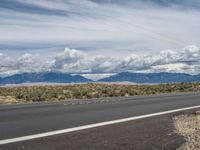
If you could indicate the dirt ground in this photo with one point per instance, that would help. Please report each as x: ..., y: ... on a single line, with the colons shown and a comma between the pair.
x: 188, y: 125
x: 7, y: 100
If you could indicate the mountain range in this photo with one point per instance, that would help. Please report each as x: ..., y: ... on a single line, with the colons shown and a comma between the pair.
x: 162, y: 77
x: 58, y: 77
x: 48, y: 77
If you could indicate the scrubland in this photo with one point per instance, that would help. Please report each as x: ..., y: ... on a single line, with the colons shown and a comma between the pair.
x: 23, y: 94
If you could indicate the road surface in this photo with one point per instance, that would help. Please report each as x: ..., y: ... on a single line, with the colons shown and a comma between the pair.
x: 28, y: 119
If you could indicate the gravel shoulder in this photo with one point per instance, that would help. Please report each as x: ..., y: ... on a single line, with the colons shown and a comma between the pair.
x: 188, y: 125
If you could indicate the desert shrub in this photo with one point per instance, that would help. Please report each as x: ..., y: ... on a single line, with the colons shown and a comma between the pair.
x: 92, y: 90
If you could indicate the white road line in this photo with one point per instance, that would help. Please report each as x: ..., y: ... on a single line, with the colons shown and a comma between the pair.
x: 51, y: 133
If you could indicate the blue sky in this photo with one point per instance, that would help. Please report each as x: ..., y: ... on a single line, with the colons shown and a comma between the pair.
x: 110, y: 31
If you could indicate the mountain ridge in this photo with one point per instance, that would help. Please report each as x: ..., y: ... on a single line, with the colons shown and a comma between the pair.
x: 51, y: 77
x: 58, y: 77
x: 162, y: 77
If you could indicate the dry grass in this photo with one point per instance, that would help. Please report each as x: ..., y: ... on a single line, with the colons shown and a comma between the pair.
x: 87, y: 91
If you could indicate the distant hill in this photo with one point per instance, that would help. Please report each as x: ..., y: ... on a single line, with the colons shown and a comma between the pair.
x: 51, y: 77
x: 58, y: 77
x: 162, y: 77
x: 196, y: 78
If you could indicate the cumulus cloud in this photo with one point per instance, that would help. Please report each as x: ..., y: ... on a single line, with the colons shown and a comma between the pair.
x: 25, y: 63
x: 186, y: 60
x: 72, y: 60
x: 69, y: 58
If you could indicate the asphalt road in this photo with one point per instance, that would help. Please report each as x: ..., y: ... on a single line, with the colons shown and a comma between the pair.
x: 28, y: 119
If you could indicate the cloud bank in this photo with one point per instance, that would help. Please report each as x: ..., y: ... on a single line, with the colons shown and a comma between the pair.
x: 75, y: 61
x: 102, y: 36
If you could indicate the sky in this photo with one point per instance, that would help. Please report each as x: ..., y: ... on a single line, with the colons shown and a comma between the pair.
x: 99, y: 36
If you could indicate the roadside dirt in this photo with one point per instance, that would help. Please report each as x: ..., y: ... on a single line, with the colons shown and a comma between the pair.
x: 7, y: 100
x: 188, y: 125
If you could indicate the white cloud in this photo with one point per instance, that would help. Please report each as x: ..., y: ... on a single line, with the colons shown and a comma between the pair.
x: 187, y: 60
x: 25, y: 63
x: 178, y: 67
x: 69, y: 58
x: 74, y: 61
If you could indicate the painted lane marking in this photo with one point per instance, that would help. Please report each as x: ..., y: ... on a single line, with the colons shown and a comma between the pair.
x: 56, y: 132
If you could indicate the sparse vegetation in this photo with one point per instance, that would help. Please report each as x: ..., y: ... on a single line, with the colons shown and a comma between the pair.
x: 87, y: 91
